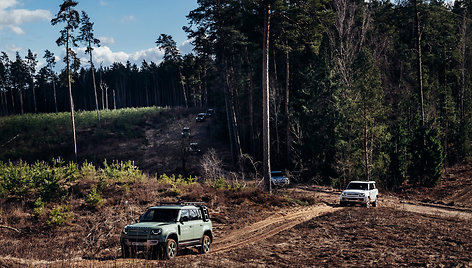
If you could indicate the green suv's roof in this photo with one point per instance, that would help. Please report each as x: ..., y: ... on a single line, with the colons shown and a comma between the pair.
x: 172, y: 206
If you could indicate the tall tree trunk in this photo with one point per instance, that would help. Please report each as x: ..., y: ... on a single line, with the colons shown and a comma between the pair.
x: 114, y: 100
x: 205, y: 87
x: 20, y: 94
x: 234, y: 97
x: 92, y: 69
x: 34, y: 100
x: 146, y: 89
x: 54, y: 93
x: 366, y: 149
x: 102, y: 89
x: 251, y: 113
x: 182, y: 85
x: 229, y: 112
x: 419, y: 61
x: 265, y: 100
x: 12, y: 100
x: 103, y: 94
x: 275, y: 86
x: 463, y: 59
x: 200, y: 89
x: 71, y: 106
x: 287, y: 102
x: 158, y: 95
x: 6, y: 102
x: 4, y: 110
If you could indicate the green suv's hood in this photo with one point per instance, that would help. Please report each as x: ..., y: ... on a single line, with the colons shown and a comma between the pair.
x: 149, y: 224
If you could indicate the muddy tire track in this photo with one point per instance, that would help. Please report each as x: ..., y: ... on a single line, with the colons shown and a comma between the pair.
x: 269, y: 227
x: 331, y: 198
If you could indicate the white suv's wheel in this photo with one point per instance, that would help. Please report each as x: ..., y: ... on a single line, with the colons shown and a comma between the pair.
x: 374, y: 204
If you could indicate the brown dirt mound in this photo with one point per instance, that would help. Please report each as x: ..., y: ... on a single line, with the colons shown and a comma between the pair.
x: 454, y: 189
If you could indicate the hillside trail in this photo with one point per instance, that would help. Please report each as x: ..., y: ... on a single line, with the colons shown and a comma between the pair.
x: 283, y: 220
x: 287, y: 219
x: 331, y: 197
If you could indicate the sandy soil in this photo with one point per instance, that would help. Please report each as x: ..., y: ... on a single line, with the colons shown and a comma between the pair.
x: 397, y: 233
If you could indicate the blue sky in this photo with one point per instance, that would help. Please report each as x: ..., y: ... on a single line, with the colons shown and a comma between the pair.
x: 127, y: 29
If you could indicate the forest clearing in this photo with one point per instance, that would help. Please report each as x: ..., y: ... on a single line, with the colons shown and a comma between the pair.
x: 320, y: 92
x: 280, y: 229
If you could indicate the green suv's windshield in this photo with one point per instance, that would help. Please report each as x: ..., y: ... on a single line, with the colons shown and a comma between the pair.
x: 160, y: 215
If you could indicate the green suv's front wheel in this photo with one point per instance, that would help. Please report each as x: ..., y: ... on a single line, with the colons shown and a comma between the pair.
x: 170, y: 250
x: 127, y: 252
x: 206, y: 242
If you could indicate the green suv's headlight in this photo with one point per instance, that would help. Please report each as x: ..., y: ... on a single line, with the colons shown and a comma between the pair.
x: 125, y: 231
x: 156, y: 231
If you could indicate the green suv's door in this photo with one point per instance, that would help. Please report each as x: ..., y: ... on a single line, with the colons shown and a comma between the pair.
x: 186, y: 230
x: 197, y: 223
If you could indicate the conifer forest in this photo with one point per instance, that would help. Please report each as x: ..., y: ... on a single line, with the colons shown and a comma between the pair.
x: 356, y: 89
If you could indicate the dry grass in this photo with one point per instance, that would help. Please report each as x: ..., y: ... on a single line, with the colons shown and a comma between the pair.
x: 93, y: 232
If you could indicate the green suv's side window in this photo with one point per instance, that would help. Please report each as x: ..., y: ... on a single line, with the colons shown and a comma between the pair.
x: 184, y: 215
x: 194, y: 214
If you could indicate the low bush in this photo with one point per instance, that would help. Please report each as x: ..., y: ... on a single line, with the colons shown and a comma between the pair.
x: 94, y: 198
x: 59, y: 216
x: 56, y: 181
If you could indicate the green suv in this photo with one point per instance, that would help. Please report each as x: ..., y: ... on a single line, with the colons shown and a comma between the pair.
x: 165, y: 229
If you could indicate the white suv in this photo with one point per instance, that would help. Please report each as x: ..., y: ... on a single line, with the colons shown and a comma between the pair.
x: 360, y: 192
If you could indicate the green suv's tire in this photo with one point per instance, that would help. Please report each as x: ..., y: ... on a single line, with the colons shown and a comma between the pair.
x: 125, y: 251
x: 206, y: 242
x: 171, y: 249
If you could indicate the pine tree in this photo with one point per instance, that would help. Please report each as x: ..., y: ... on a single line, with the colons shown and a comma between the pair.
x: 19, y: 76
x: 88, y: 38
x: 51, y: 63
x: 265, y: 98
x: 68, y: 15
x: 31, y: 62
x: 172, y: 55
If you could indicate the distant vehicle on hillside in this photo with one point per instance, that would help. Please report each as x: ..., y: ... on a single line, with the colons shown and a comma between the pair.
x: 209, y: 112
x: 200, y: 117
x: 194, y: 148
x: 186, y: 132
x: 277, y: 178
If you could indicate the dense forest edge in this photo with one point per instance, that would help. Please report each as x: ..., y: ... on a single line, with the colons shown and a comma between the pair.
x: 358, y: 90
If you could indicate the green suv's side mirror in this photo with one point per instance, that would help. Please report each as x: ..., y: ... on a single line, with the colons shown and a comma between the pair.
x: 183, y: 219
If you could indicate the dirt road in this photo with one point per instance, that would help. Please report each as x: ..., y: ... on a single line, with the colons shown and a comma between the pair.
x: 269, y: 227
x: 260, y: 232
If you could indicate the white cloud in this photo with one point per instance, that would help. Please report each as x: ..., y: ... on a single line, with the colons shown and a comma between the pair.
x: 103, y: 3
x: 126, y: 19
x: 4, y: 4
x: 106, y: 40
x: 105, y: 56
x: 16, y: 29
x: 12, y: 18
x: 11, y: 49
x: 186, y: 47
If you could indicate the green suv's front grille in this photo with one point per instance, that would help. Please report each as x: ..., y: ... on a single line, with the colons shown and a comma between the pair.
x: 139, y: 232
x: 138, y: 240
